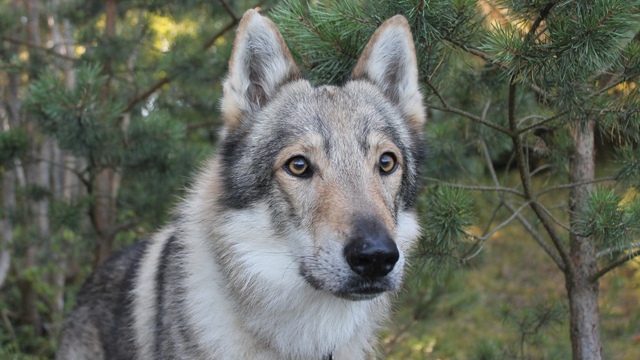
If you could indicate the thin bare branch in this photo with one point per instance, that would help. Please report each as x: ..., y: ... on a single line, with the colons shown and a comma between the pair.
x: 436, y: 92
x: 167, y: 79
x: 541, y: 122
x: 536, y: 23
x: 229, y: 10
x: 538, y: 238
x: 487, y: 157
x: 621, y: 260
x: 525, y: 177
x: 552, y: 217
x: 479, y: 53
x: 631, y: 246
x: 580, y: 183
x: 470, y: 116
x: 515, y: 213
x: 529, y: 117
x: 486, y: 57
x: 475, y: 187
x: 51, y: 51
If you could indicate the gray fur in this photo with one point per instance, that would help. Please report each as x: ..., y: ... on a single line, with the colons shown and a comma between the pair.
x: 256, y: 264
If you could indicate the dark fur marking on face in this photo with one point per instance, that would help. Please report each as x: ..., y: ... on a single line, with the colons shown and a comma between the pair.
x: 241, y: 188
x: 322, y: 129
x: 412, y: 153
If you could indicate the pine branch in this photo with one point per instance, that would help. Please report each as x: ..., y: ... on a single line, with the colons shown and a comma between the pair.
x: 633, y: 245
x: 476, y: 187
x: 542, y: 122
x: 536, y: 23
x: 230, y: 10
x: 50, y: 51
x: 202, y: 124
x: 558, y: 260
x: 167, y: 79
x: 487, y: 58
x: 514, y: 215
x: 621, y: 260
x: 580, y: 183
x: 552, y: 217
x: 517, y: 213
x: 525, y: 176
x: 472, y: 117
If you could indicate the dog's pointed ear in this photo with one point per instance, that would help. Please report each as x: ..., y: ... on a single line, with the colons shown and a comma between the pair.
x: 260, y: 63
x: 389, y: 61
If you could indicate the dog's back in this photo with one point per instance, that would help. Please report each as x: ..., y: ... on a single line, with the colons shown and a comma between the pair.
x: 103, y: 311
x: 293, y: 236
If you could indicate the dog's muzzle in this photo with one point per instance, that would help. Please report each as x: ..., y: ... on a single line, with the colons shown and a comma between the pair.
x: 371, y: 254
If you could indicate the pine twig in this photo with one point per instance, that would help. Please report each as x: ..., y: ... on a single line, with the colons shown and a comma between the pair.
x: 230, y: 10
x: 621, y: 260
x: 525, y: 177
x: 541, y: 122
x: 552, y: 217
x: 472, y: 117
x: 580, y: 183
x: 167, y: 79
x: 50, y: 51
x: 558, y: 260
x: 476, y: 187
x: 513, y: 216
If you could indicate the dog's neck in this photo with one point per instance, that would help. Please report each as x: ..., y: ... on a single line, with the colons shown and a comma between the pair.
x: 267, y: 297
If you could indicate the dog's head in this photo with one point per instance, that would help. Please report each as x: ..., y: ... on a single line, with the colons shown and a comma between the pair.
x: 335, y: 167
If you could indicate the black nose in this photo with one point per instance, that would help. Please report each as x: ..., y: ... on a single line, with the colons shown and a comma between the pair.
x: 371, y: 252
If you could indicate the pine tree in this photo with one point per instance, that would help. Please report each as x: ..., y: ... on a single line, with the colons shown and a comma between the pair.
x: 526, y: 85
x: 105, y: 108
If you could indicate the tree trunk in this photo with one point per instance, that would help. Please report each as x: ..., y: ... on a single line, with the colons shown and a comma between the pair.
x: 107, y: 181
x: 581, y: 289
x: 37, y: 173
x: 6, y: 227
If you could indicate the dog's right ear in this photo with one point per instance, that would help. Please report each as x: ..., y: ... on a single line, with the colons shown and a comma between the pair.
x: 389, y: 61
x: 260, y: 63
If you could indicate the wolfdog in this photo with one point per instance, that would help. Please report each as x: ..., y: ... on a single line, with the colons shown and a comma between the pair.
x: 294, y: 236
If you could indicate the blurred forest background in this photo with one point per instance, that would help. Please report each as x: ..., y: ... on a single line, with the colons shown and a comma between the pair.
x: 530, y: 205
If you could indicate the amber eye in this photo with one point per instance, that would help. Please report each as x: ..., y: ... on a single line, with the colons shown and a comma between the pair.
x: 298, y: 166
x: 387, y: 163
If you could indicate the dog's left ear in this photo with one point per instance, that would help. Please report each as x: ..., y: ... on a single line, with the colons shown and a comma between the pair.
x: 260, y: 63
x: 389, y: 61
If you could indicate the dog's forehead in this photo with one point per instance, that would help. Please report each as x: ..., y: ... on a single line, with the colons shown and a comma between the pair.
x: 350, y: 111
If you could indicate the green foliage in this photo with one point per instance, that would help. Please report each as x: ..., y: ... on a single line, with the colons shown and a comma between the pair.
x: 580, y: 64
x: 536, y: 72
x: 445, y: 214
x: 141, y: 105
x: 67, y: 215
x: 326, y: 38
x: 80, y: 119
x: 580, y: 40
x: 613, y: 221
x: 629, y: 159
x: 153, y: 144
x: 531, y: 322
x: 14, y: 143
